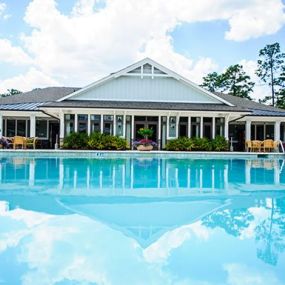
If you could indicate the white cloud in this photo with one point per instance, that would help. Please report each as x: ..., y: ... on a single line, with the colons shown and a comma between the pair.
x: 12, y: 54
x: 28, y: 81
x: 89, y: 43
x: 260, y: 18
x: 240, y: 274
x: 260, y: 89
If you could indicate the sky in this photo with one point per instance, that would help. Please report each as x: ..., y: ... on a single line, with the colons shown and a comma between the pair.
x: 75, y: 42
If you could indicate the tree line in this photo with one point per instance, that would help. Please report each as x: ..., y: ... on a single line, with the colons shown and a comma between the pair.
x: 235, y: 81
x: 10, y: 92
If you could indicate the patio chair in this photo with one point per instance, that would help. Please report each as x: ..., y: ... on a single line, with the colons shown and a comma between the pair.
x: 248, y: 146
x: 268, y: 145
x: 256, y: 145
x: 19, y: 141
x: 31, y: 142
x: 276, y: 145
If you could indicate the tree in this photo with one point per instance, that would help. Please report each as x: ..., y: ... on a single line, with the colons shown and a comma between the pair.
x: 10, y: 92
x: 233, y: 81
x: 212, y: 82
x: 236, y: 82
x: 270, y: 64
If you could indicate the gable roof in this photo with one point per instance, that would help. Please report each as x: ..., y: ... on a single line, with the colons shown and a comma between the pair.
x: 38, y: 95
x: 165, y: 72
x: 256, y: 109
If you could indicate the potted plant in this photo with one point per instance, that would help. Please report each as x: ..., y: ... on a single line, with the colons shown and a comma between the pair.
x: 145, y: 143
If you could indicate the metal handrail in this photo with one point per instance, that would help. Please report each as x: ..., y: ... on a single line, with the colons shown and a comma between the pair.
x: 281, y: 144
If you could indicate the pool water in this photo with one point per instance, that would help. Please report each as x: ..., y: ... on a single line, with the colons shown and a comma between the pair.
x: 142, y: 220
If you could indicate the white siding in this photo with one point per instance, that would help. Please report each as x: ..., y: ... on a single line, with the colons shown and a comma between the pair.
x: 158, y: 89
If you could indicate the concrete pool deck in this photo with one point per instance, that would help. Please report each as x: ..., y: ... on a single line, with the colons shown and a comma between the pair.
x: 134, y: 153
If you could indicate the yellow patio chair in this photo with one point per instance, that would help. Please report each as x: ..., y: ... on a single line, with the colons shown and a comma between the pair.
x: 31, y: 142
x: 256, y: 145
x: 19, y: 141
x: 268, y: 145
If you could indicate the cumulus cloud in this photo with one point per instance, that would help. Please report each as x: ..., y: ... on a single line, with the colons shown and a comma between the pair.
x: 28, y: 81
x: 12, y: 54
x: 89, y: 43
x: 3, y: 8
x: 261, y: 90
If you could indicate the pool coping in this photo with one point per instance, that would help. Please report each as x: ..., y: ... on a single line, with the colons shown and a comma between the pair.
x: 135, y: 153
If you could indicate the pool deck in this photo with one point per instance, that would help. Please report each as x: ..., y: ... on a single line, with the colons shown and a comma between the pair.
x: 134, y: 153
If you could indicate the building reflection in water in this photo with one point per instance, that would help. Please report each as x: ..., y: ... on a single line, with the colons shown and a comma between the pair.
x: 75, y: 184
x: 124, y: 176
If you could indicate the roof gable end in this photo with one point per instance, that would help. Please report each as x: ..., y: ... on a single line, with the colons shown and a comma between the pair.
x: 149, y: 69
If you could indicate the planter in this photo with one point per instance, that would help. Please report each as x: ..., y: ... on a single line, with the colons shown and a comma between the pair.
x: 142, y: 147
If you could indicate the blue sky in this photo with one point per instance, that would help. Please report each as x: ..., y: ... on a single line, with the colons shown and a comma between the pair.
x: 74, y: 42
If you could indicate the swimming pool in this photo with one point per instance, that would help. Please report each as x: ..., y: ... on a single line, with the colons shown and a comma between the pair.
x: 141, y: 220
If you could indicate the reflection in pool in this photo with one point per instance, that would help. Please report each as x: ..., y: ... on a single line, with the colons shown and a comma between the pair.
x: 142, y: 221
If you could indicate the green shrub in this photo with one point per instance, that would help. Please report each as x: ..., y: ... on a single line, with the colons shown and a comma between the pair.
x: 106, y: 142
x: 219, y: 144
x: 197, y: 144
x: 202, y: 144
x: 75, y: 141
x: 96, y: 141
x: 180, y: 144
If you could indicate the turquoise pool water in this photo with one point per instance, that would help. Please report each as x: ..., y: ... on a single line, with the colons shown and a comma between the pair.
x: 141, y: 220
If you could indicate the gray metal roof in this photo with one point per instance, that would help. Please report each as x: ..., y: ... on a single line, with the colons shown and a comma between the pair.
x: 257, y: 109
x: 144, y: 105
x: 21, y: 106
x: 47, y: 97
x: 39, y: 95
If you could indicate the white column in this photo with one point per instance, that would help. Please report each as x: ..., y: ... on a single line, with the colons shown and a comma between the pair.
x: 75, y: 123
x: 201, y: 127
x: 61, y: 127
x: 89, y: 124
x: 132, y: 131
x: 102, y: 123
x: 227, y: 128
x: 248, y: 130
x: 189, y: 127
x: 167, y: 128
x: 32, y: 125
x: 159, y: 132
x: 277, y: 131
x: 1, y: 125
x: 124, y: 126
x: 213, y: 127
x: 177, y: 126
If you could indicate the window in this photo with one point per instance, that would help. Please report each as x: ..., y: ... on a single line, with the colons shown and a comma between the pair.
x: 108, y: 124
x: 119, y: 125
x: 172, y: 127
x: 262, y: 131
x: 207, y: 127
x: 195, y: 127
x: 183, y: 127
x: 11, y: 128
x: 16, y: 127
x: 128, y: 128
x: 95, y: 121
x: 68, y: 124
x: 220, y: 126
x: 82, y: 124
x: 42, y: 128
x: 21, y: 128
